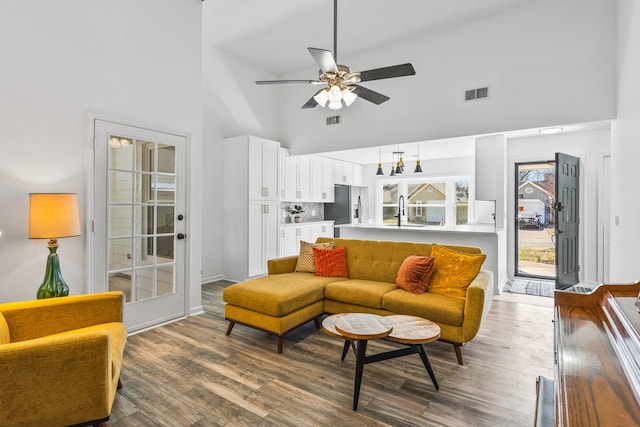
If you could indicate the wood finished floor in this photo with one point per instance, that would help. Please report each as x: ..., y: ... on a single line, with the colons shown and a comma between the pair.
x: 189, y: 373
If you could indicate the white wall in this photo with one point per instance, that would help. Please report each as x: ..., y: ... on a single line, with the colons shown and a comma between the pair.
x: 551, y: 62
x: 625, y: 149
x: 590, y: 147
x: 232, y: 105
x: 59, y: 59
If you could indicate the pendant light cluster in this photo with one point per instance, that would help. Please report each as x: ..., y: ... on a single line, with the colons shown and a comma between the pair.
x: 397, y: 167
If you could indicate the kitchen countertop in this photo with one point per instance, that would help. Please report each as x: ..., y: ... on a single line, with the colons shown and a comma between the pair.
x: 465, y: 228
x: 292, y: 224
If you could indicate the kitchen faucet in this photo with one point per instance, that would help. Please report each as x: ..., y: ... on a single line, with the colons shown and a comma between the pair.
x: 400, y: 208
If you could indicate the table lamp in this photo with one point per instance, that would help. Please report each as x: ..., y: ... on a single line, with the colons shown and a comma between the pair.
x: 51, y: 216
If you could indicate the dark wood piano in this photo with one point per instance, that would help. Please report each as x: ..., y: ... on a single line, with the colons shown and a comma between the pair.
x: 597, y: 350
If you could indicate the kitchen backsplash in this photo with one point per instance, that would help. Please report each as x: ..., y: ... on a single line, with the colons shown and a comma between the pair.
x: 312, y: 212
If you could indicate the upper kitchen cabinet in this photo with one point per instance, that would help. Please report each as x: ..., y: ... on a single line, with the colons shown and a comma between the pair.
x: 322, y: 176
x: 297, y: 179
x: 347, y: 173
x: 258, y: 159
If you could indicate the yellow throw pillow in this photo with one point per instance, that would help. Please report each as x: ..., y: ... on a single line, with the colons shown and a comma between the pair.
x: 4, y: 331
x: 453, y: 271
x: 306, y: 261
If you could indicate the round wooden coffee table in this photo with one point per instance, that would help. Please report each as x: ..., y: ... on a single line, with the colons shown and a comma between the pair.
x: 361, y: 327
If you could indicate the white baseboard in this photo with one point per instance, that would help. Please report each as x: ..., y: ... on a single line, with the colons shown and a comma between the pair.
x: 211, y: 279
x: 195, y: 311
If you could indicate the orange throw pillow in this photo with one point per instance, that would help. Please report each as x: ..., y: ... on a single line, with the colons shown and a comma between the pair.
x: 330, y: 262
x: 414, y: 273
x: 453, y: 271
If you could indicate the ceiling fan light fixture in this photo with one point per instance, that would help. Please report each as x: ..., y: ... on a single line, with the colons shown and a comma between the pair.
x: 334, y: 94
x: 322, y: 98
x: 335, y: 105
x: 348, y: 96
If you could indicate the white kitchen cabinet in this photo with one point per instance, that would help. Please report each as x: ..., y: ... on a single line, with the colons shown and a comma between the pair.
x: 343, y: 172
x: 283, y: 154
x: 321, y: 229
x: 326, y: 185
x: 304, y: 178
x: 263, y: 227
x: 347, y: 173
x: 290, y: 237
x: 316, y: 179
x: 258, y: 160
x: 321, y: 179
x: 290, y: 181
x: 297, y: 179
x: 250, y: 207
x: 358, y: 179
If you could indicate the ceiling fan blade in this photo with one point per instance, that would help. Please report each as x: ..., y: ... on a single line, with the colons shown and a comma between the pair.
x: 311, y: 103
x: 370, y: 95
x: 387, y: 72
x: 324, y: 59
x: 276, y: 82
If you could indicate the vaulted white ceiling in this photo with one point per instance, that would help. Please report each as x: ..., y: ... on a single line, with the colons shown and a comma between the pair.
x: 275, y: 34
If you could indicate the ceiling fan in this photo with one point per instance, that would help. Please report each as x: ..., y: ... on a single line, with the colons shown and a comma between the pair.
x: 340, y: 84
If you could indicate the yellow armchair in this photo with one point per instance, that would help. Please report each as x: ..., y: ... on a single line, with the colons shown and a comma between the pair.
x: 60, y: 359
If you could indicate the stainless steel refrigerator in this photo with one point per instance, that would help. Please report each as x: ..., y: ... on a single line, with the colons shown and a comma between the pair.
x: 340, y: 210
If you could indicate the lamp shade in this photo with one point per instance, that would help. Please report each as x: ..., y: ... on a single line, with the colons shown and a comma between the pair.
x: 53, y: 215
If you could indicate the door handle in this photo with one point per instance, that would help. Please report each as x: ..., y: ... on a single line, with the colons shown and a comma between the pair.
x: 181, y: 236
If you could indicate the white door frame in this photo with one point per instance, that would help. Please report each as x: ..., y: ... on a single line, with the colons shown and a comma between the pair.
x: 89, y: 131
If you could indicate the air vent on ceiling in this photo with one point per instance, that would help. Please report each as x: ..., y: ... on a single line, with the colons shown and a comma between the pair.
x: 333, y: 120
x: 479, y: 93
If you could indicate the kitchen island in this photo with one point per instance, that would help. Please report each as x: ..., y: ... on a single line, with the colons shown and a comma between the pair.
x: 491, y: 240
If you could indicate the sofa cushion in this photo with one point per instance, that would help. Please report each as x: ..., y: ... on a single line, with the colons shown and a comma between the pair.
x: 415, y: 273
x: 4, y: 331
x: 306, y: 260
x: 279, y: 294
x: 330, y: 262
x: 453, y: 271
x: 435, y: 307
x: 367, y: 293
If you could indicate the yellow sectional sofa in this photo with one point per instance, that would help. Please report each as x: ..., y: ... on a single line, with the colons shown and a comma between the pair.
x: 286, y: 299
x: 61, y: 359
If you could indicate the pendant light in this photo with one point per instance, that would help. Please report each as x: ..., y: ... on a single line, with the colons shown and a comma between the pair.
x: 379, y: 172
x: 393, y: 160
x: 400, y: 164
x: 418, y: 168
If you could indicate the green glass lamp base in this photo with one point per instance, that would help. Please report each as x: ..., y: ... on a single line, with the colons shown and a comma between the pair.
x: 53, y: 284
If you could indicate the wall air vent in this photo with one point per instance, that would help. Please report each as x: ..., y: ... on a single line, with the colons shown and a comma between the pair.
x: 333, y: 120
x: 475, y: 94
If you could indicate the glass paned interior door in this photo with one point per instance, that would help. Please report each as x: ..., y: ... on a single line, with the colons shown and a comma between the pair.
x: 141, y: 210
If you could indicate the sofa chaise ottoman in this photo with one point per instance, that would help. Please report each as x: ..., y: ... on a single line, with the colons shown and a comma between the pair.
x: 286, y: 299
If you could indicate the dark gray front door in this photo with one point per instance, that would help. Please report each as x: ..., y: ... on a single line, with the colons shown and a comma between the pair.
x: 567, y: 220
